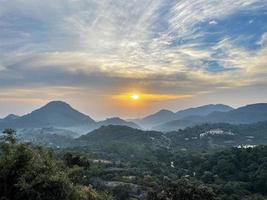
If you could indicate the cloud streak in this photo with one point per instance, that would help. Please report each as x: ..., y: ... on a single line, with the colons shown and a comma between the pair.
x: 162, y: 47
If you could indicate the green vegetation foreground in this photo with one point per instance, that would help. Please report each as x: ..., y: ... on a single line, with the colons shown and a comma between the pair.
x: 28, y: 172
x: 32, y: 173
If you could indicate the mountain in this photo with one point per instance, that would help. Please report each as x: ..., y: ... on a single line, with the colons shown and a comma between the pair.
x: 114, y: 133
x: 243, y: 115
x: 60, y: 115
x: 117, y: 121
x: 246, y: 114
x: 122, y: 140
x: 165, y: 116
x: 202, y: 110
x: 180, y: 123
x: 156, y: 118
x: 11, y: 117
x: 53, y: 114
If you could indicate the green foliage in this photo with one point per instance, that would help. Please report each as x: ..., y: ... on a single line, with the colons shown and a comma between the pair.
x: 254, y: 134
x: 182, y: 189
x: 234, y: 172
x: 72, y: 160
x: 10, y: 135
x: 132, y: 168
x: 121, y: 192
x: 31, y: 173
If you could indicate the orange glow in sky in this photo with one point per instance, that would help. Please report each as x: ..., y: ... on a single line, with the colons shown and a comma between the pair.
x: 135, y: 97
x: 126, y: 97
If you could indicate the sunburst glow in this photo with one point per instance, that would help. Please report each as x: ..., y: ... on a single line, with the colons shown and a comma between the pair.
x: 135, y: 97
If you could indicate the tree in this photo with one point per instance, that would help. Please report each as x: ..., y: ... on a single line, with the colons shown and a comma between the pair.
x: 10, y: 135
x: 121, y: 192
x: 29, y: 172
x: 182, y: 190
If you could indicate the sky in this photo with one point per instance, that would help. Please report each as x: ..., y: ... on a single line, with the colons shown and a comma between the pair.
x: 96, y: 54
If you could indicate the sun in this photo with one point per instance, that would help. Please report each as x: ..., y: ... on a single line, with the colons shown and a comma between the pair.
x: 135, y: 97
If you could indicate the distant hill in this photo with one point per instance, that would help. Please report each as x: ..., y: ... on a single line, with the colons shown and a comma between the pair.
x: 59, y: 115
x: 123, y: 140
x: 202, y: 110
x: 243, y: 115
x: 156, y: 118
x: 180, y: 123
x: 54, y: 114
x: 113, y: 133
x: 246, y: 114
x: 117, y: 121
x: 11, y: 117
x: 219, y: 135
x: 164, y: 116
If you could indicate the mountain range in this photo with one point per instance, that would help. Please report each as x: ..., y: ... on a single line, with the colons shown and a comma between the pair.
x: 243, y: 115
x: 164, y: 116
x: 61, y: 116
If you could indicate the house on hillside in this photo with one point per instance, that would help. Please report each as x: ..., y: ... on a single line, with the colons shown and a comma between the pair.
x: 214, y: 132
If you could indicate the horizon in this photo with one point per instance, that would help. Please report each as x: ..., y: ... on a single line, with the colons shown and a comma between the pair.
x: 115, y: 116
x: 130, y: 59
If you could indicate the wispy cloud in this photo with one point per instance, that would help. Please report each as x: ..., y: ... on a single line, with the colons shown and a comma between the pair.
x: 163, y: 47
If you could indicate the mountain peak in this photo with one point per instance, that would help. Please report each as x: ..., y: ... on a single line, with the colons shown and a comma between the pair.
x: 11, y: 117
x: 164, y: 111
x: 53, y: 114
x: 57, y: 104
x: 206, y: 109
x: 114, y: 118
x: 117, y: 121
x: 256, y: 106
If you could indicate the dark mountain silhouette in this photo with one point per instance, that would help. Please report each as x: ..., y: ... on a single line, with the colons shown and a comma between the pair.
x: 164, y: 116
x: 11, y: 117
x: 117, y: 121
x: 246, y: 114
x: 203, y: 110
x: 243, y: 115
x: 123, y: 137
x: 156, y: 118
x: 54, y: 114
x: 60, y: 115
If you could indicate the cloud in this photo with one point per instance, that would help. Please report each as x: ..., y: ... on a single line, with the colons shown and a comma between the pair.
x: 187, y: 14
x: 163, y: 47
x: 213, y: 22
x: 263, y: 40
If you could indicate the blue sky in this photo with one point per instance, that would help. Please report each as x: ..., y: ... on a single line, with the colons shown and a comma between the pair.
x: 88, y: 52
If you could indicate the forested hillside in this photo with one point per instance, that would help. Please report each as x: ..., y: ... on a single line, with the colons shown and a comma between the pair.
x: 121, y: 163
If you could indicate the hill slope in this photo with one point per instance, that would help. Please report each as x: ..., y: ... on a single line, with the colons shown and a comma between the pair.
x: 164, y: 116
x: 123, y: 141
x: 117, y: 121
x: 54, y: 114
x: 219, y: 135
x: 243, y: 115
